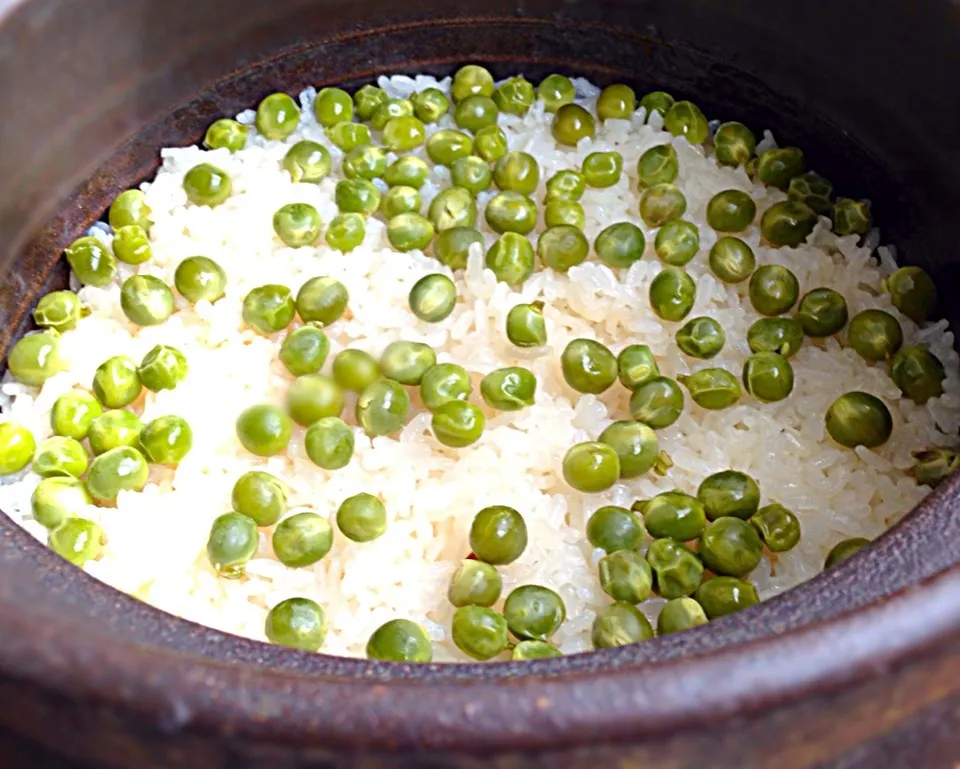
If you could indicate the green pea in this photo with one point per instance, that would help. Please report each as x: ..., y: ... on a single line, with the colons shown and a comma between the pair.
x: 490, y: 143
x: 636, y: 445
x: 362, y: 518
x: 475, y: 583
x: 163, y: 368
x: 322, y: 300
x: 780, y: 335
x: 475, y: 113
x: 616, y: 101
x: 407, y: 171
x: 78, y: 540
x: 166, y: 440
x: 120, y: 469
x: 555, y: 91
x: 731, y: 211
x: 364, y: 162
x: 812, y: 190
x: 701, y: 338
x: 822, y: 312
x: 113, y: 429
x: 680, y: 614
x: 662, y: 203
x: 430, y: 104
x: 146, y: 300
x: 619, y: 624
x: 509, y: 389
x: 91, y: 262
x: 614, y: 528
x: 561, y: 248
x: 35, y: 358
x: 231, y: 544
x: 875, y: 335
x: 58, y: 310
x: 129, y: 207
x: 918, y: 373
x: 773, y: 289
x: 329, y: 443
x: 636, y: 365
x: 844, y: 550
x: 768, y: 377
x: 479, y: 632
x: 409, y: 232
x: 367, y: 99
x: 471, y: 173
x: 734, y: 144
x: 457, y: 423
x: 657, y: 101
x: 452, y: 247
x: 514, y: 96
x: 511, y: 211
x: 453, y: 207
x: 534, y: 612
x: 787, y: 223
x: 732, y: 260
x: 657, y: 402
x: 712, y: 388
x: 357, y: 196
x: 116, y: 382
x: 859, y: 419
x: 56, y: 499
x: 332, y: 105
x: 517, y: 171
x: 264, y: 430
x: 400, y: 200
x: 400, y: 640
x: 73, y: 413
x: 304, y: 350
x: 444, y: 382
x: 390, y: 110
x: 626, y: 576
x: 277, y: 116
x: 622, y: 244
x: 346, y: 232
x: 911, y: 290
x: 60, y: 456
x: 677, y: 242
x: 672, y: 294
x: 403, y: 133
x: 721, y: 596
x: 226, y: 134
x: 433, y: 298
x: 355, y: 370
x: 658, y: 165
x: 602, y: 169
x: 572, y: 124
x: 933, y: 466
x: 588, y: 366
x: 557, y: 213
x: 269, y: 308
x: 534, y: 650
x: 259, y: 496
x: 131, y: 245
x: 407, y: 362
x: 674, y: 515
x: 302, y: 540
x: 729, y: 493
x: 307, y: 161
x: 382, y: 407
x: 591, y: 466
x: 776, y: 167
x: 778, y: 527
x: 498, y: 535
x: 471, y: 80
x: 566, y: 185
x: 313, y: 397
x: 731, y: 547
x: 511, y: 258
x: 207, y: 185
x: 297, y: 623
x: 199, y: 279
x: 17, y: 447
x: 677, y: 570
x: 684, y: 118
x: 447, y: 145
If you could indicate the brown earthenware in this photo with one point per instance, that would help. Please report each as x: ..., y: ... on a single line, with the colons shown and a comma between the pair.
x: 859, y: 667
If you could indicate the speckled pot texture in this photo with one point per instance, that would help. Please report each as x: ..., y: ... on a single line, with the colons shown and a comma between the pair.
x: 860, y: 667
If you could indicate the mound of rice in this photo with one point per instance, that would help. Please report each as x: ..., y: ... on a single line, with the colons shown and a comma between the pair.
x: 156, y: 547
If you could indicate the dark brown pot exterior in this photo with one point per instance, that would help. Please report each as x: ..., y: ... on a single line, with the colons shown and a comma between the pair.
x: 858, y: 668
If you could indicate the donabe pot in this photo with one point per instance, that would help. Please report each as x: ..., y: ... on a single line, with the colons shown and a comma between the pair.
x: 860, y: 667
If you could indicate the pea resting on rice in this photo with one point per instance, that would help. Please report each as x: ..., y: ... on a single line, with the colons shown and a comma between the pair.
x: 309, y: 392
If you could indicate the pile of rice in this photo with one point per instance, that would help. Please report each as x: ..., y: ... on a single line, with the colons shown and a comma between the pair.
x: 157, y: 538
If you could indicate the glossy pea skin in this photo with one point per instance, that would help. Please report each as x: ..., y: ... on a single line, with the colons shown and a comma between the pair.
x: 17, y: 447
x: 297, y: 623
x: 783, y: 336
x: 447, y: 145
x: 616, y: 101
x: 730, y: 547
x: 787, y: 223
x: 776, y: 167
x: 269, y: 308
x: 677, y: 242
x: 471, y: 173
x: 588, y: 366
x: 662, y: 203
x: 357, y: 196
x: 498, y: 535
x: 471, y: 80
x: 91, y: 262
x: 518, y: 171
x: 732, y: 260
x: 657, y: 402
x: 474, y: 583
x: 657, y: 101
x: 573, y: 123
x: 859, y: 419
x: 490, y: 143
x: 509, y: 389
x: 382, y: 407
x: 307, y: 161
x: 453, y: 207
x: 514, y: 96
x: 475, y: 113
x: 73, y: 413
x: 566, y: 185
x: 684, y: 118
x: 636, y: 445
x: 114, y: 428
x: 620, y: 245
x: 355, y: 370
x: 332, y: 105
x: 60, y: 456
x: 146, y: 300
x: 116, y: 382
x: 712, y: 388
x: 511, y: 211
x: 302, y: 539
x: 813, y: 190
x: 207, y: 185
x: 730, y: 494
x: 433, y: 297
x: 636, y: 364
x: 407, y: 171
x: 131, y: 245
x: 364, y: 162
x: 561, y: 248
x: 613, y: 528
x: 851, y: 217
x: 403, y: 133
x: 822, y: 312
x: 390, y: 110
x: 701, y: 338
x: 322, y: 300
x: 457, y: 423
x: 226, y: 133
x: 313, y: 397
x: 264, y: 430
x: 362, y: 518
x: 129, y: 207
x: 162, y: 368
x: 555, y: 91
x: 400, y: 200
x: 120, y: 469
x: 444, y: 382
x: 734, y: 144
x: 721, y: 596
x: 56, y: 499
x: 304, y: 350
x: 329, y: 443
x: 407, y: 362
x: 680, y: 614
x: 479, y: 632
x: 259, y: 496
x: 913, y: 292
x: 430, y: 104
x: 933, y: 466
x: 602, y: 169
x: 677, y: 570
x: 452, y: 247
x: 400, y: 640
x: 625, y: 576
x: 346, y: 232
x: 511, y: 258
x: 534, y: 612
x: 166, y: 440
x: 58, y: 310
x: 78, y: 540
x: 277, y: 116
x: 918, y: 373
x: 534, y: 650
x: 875, y: 335
x: 619, y: 624
x: 564, y: 212
x: 658, y: 165
x: 591, y: 467
x: 731, y: 211
x: 672, y: 294
x: 844, y: 550
x: 525, y: 325
x: 768, y: 377
x: 199, y: 279
x: 674, y: 515
x: 778, y: 527
x: 35, y: 358
x: 366, y: 100
x: 773, y: 290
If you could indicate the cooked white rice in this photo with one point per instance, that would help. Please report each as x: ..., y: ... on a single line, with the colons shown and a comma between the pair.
x: 156, y: 547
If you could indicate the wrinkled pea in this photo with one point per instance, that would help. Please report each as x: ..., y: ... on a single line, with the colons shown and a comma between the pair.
x: 734, y: 144
x: 912, y: 291
x: 851, y: 217
x: 91, y: 262
x: 701, y: 338
x: 514, y: 96
x: 452, y: 247
x: 813, y: 190
x: 364, y: 162
x: 357, y: 196
x: 677, y: 242
x: 269, y: 308
x: 453, y: 207
x: 444, y: 382
x: 509, y: 389
x: 114, y: 428
x: 116, y: 382
x: 60, y: 456
x: 225, y: 133
x: 490, y: 143
x: 602, y: 169
x: 636, y: 364
x: 783, y: 336
x: 407, y: 171
x: 778, y: 527
x: 564, y: 212
x: 619, y: 624
x: 684, y: 118
x: 712, y: 388
x: 677, y: 570
x: 776, y: 167
x: 662, y: 203
x: 822, y: 312
x: 120, y: 469
x: 658, y: 165
x: 400, y: 200
x: 768, y: 377
x: 346, y: 232
x: 307, y: 161
x: 732, y: 260
x: 131, y: 244
x: 918, y: 373
x: 511, y: 211
x: 657, y: 402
